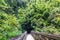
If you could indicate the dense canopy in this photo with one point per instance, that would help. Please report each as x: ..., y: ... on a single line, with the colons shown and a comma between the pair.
x: 15, y: 14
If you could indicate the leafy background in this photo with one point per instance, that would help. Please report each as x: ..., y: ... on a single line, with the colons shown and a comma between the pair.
x: 15, y: 14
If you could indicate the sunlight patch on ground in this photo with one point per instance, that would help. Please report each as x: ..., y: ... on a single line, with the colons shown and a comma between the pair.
x: 29, y: 37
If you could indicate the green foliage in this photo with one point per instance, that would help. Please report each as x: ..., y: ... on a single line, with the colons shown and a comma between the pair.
x: 14, y: 14
x: 8, y: 26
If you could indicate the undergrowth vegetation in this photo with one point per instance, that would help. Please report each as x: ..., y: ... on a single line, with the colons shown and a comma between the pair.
x: 14, y: 14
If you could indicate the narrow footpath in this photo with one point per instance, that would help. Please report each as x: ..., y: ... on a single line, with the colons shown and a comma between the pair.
x: 29, y: 37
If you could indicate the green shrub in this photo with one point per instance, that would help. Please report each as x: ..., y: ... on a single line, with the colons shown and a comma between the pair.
x: 44, y: 16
